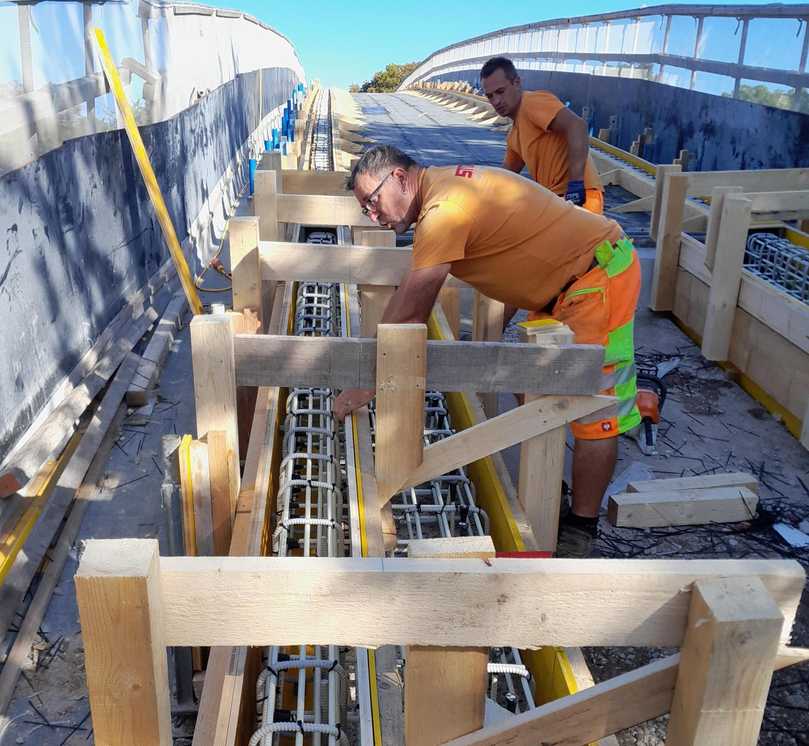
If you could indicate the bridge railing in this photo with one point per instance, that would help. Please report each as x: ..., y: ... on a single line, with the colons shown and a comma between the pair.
x: 751, y: 52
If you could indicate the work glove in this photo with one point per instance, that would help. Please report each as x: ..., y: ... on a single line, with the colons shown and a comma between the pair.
x: 575, y: 192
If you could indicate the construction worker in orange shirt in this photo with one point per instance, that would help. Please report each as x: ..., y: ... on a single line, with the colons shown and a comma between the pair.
x: 518, y: 243
x: 547, y: 137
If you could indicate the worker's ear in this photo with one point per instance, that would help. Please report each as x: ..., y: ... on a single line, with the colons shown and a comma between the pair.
x: 517, y: 81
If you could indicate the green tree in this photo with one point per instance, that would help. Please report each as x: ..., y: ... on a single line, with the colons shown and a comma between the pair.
x: 761, y: 94
x: 389, y: 79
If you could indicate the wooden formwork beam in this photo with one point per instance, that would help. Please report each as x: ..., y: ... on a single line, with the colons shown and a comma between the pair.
x: 270, y: 360
x: 487, y: 326
x: 445, y: 688
x: 667, y: 254
x: 374, y: 297
x: 542, y: 464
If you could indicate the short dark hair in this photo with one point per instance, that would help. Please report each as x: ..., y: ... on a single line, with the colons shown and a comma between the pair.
x: 499, y: 63
x: 376, y: 159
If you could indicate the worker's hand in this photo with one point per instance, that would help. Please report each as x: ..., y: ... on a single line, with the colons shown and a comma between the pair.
x: 352, y: 399
x: 575, y: 192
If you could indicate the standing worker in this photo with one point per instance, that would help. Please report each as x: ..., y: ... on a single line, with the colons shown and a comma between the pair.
x: 547, y: 137
x: 518, y: 243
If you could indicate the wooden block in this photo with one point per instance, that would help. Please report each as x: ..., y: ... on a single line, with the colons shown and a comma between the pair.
x: 224, y: 495
x: 120, y: 608
x: 714, y: 220
x: 215, y: 380
x: 445, y: 689
x: 542, y: 463
x: 682, y: 508
x: 400, y: 386
x: 487, y: 326
x: 668, y: 241
x: 661, y: 173
x: 268, y: 187
x: 374, y: 299
x: 726, y: 664
x: 271, y: 360
x: 244, y: 264
x: 449, y: 298
x: 709, y: 481
x: 726, y: 277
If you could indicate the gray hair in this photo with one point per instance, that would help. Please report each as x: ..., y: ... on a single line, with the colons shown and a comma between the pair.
x: 379, y: 158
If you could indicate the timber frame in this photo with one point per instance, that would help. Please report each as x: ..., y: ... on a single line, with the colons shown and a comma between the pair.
x: 133, y: 603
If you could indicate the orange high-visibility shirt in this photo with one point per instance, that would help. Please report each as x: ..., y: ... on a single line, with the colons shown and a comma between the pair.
x: 543, y: 152
x: 511, y: 238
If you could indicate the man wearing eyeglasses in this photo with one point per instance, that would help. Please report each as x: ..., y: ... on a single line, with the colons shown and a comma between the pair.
x: 518, y: 243
x: 547, y: 137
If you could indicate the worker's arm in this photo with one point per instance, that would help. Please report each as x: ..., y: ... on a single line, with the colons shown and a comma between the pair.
x: 512, y: 161
x: 411, y: 304
x: 574, y: 129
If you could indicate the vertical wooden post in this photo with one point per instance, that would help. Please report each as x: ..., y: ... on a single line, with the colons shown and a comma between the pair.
x: 726, y: 277
x: 445, y: 688
x: 661, y: 173
x: 667, y: 254
x: 726, y: 664
x: 374, y: 299
x: 245, y: 266
x: 487, y: 326
x: 542, y: 463
x: 268, y: 186
x: 714, y: 220
x: 201, y: 493
x: 118, y: 593
x: 401, y: 367
x: 223, y: 493
x: 214, y: 366
x: 449, y: 297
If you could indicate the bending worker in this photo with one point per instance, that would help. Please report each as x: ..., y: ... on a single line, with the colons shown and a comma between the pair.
x: 518, y: 243
x: 547, y: 137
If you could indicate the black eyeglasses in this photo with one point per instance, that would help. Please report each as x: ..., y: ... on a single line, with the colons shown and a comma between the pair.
x: 369, y: 205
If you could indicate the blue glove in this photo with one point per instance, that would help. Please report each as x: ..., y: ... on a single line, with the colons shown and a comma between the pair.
x: 575, y: 192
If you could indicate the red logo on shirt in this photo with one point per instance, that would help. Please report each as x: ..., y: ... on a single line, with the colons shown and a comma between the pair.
x: 467, y: 171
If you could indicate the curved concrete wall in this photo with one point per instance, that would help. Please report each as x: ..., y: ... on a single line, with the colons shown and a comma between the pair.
x: 79, y: 233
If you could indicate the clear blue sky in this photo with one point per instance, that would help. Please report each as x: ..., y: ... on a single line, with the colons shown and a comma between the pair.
x: 346, y: 42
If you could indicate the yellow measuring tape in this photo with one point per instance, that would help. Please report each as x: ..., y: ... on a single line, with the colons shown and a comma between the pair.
x: 147, y: 172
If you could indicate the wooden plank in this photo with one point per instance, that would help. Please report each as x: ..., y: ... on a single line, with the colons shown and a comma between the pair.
x: 542, y: 465
x: 317, y: 209
x: 682, y: 508
x: 29, y: 558
x: 201, y: 495
x: 314, y: 182
x: 726, y: 664
x: 445, y: 689
x: 29, y: 628
x: 714, y: 221
x: 269, y: 360
x: 371, y: 602
x: 726, y: 277
x: 224, y: 495
x: 374, y: 264
x: 702, y: 183
x: 642, y: 204
x: 450, y: 301
x: 668, y: 242
x: 532, y: 419
x: 124, y: 648
x: 661, y: 173
x: 374, y: 298
x: 709, y: 481
x: 245, y: 266
x: 54, y: 433
x: 267, y: 188
x: 601, y: 710
x: 156, y: 351
x: 487, y: 326
x: 184, y: 469
x: 215, y: 380
x: 401, y: 370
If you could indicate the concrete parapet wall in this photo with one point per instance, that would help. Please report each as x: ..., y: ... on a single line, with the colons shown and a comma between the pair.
x: 78, y: 233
